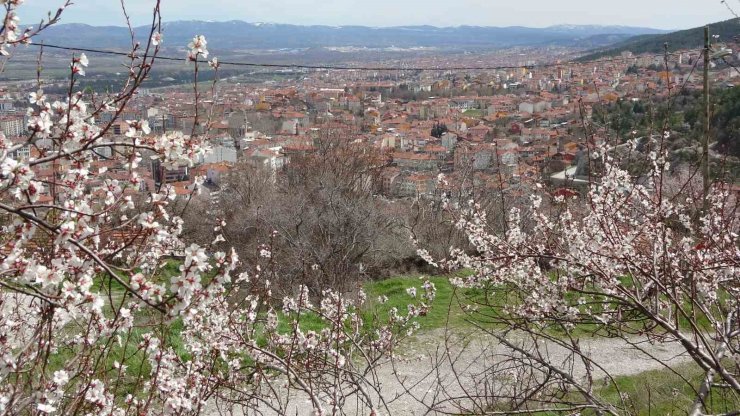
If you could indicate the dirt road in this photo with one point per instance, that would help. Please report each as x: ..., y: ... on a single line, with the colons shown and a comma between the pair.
x: 437, y: 372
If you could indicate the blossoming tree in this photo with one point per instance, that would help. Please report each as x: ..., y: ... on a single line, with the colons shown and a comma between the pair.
x: 634, y: 260
x: 96, y: 319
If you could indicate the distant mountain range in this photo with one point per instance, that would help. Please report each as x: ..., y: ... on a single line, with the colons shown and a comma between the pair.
x: 683, y: 39
x: 239, y: 35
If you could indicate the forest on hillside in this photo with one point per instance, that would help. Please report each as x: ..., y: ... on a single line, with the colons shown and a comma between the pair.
x: 683, y: 116
x: 683, y: 39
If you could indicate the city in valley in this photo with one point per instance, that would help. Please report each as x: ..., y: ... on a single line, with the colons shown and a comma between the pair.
x: 519, y: 117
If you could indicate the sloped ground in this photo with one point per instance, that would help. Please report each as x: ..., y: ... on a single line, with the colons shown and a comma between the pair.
x: 438, y: 372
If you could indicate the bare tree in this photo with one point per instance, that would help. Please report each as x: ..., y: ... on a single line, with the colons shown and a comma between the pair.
x: 320, y: 215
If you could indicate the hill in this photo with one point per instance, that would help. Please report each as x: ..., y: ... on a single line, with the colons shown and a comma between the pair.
x: 684, y: 39
x: 239, y: 35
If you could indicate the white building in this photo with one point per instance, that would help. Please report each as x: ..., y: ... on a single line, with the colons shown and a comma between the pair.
x: 220, y: 154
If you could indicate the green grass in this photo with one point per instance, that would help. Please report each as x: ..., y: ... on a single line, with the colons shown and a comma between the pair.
x: 662, y: 392
x: 375, y: 313
x: 654, y: 393
x: 395, y: 290
x: 308, y: 321
x: 128, y: 353
x: 446, y: 309
x: 104, y: 283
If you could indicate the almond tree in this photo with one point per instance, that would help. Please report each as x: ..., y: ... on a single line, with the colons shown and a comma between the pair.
x: 634, y: 259
x: 96, y: 318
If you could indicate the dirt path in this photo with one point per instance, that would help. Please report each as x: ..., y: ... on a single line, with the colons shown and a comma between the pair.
x: 440, y: 377
x: 426, y: 374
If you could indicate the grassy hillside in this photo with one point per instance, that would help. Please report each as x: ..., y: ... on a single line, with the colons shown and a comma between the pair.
x: 684, y: 39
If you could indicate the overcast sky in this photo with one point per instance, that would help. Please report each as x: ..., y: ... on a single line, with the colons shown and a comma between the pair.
x: 662, y: 14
